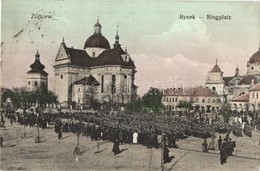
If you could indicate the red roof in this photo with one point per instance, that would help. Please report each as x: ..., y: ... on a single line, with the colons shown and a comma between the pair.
x: 195, y: 91
x: 242, y: 98
x: 216, y: 69
x: 256, y: 87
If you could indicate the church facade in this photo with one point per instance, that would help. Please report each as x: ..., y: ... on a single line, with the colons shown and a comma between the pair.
x: 96, y: 72
x: 237, y: 90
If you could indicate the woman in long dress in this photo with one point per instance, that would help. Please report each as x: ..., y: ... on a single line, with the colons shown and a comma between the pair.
x: 116, y: 149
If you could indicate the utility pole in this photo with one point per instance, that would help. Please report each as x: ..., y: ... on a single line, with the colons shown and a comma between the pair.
x: 37, y: 139
x: 162, y: 152
x: 77, y: 150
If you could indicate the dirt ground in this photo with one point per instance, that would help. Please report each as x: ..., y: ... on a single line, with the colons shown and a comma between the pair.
x: 52, y: 154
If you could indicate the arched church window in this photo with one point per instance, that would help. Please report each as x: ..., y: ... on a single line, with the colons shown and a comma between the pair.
x: 214, y: 88
x: 113, y: 86
x: 252, y: 68
x: 102, y: 83
x: 61, y: 76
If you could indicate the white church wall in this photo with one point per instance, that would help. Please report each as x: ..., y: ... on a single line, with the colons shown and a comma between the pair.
x: 94, y: 52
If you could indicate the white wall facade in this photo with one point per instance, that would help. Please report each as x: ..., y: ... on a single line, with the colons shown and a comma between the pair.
x: 36, y: 80
x: 94, y: 52
x: 253, y: 68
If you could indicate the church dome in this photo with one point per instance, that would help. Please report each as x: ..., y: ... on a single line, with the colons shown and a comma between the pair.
x: 98, y: 41
x: 255, y: 58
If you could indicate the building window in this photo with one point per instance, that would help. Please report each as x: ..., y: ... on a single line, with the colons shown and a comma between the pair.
x: 102, y: 83
x: 113, y: 86
x: 214, y: 88
x: 35, y: 83
x: 78, y: 89
x: 203, y: 100
x: 93, y: 54
x: 256, y: 95
x: 253, y: 95
x: 252, y: 68
x: 29, y: 83
x: 61, y: 76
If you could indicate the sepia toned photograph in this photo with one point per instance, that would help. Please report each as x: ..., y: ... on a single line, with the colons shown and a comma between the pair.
x: 89, y: 85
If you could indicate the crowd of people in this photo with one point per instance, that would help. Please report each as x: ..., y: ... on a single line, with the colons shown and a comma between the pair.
x: 146, y: 129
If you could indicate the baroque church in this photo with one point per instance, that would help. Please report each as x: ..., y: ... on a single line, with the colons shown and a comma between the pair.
x: 97, y: 72
x: 232, y: 87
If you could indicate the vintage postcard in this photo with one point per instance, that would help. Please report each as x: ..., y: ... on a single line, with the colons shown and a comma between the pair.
x: 130, y: 85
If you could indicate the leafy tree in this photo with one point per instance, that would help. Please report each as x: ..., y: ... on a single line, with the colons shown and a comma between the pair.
x: 42, y: 95
x: 185, y: 105
x: 226, y: 112
x: 7, y: 93
x: 151, y: 101
x: 21, y: 96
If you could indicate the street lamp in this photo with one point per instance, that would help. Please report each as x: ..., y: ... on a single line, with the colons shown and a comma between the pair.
x: 37, y: 139
x: 77, y: 149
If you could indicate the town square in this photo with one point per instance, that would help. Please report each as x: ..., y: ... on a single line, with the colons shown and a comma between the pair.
x: 113, y: 85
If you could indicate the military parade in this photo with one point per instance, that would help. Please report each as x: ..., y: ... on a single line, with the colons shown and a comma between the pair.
x: 116, y: 85
x: 153, y: 131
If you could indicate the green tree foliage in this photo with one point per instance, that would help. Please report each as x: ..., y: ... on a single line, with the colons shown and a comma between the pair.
x: 226, y: 112
x: 151, y: 101
x: 21, y: 96
x: 185, y: 105
x: 7, y: 93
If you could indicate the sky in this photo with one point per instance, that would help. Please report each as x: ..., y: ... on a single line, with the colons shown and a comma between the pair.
x: 167, y: 51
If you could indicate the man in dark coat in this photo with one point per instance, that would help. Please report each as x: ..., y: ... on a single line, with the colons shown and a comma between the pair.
x: 1, y: 141
x: 205, y: 146
x: 219, y: 143
x: 166, y: 157
x: 223, y: 152
x: 116, y: 149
